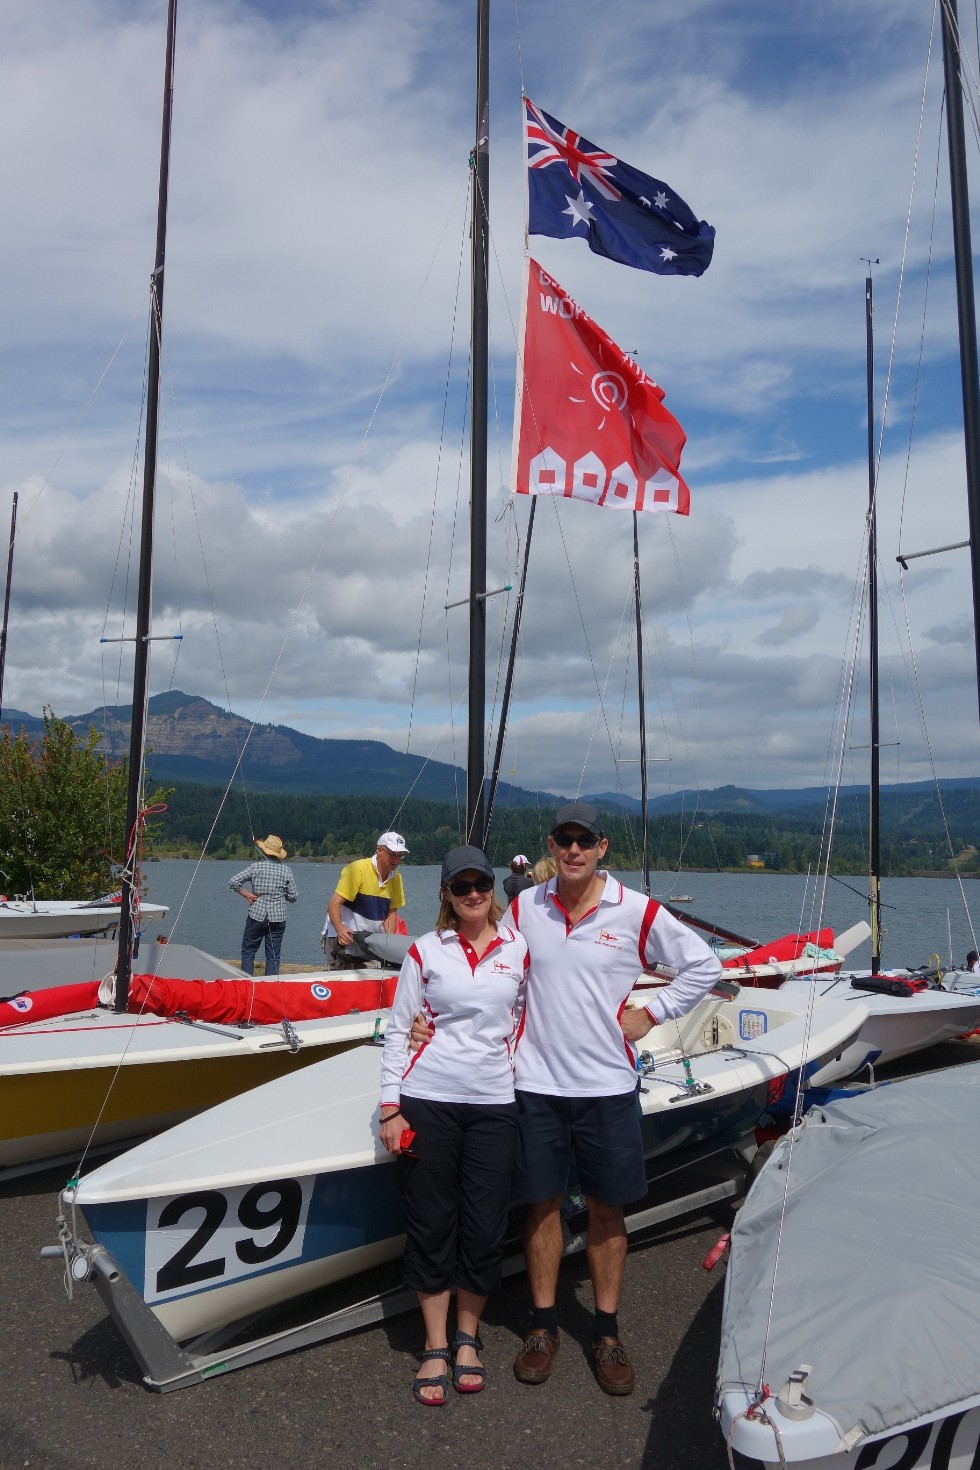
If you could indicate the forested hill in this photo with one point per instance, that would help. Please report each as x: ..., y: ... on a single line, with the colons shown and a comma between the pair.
x: 338, y: 827
x: 192, y: 740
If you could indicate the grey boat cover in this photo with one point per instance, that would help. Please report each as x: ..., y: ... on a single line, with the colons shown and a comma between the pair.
x: 390, y: 949
x: 878, y: 1279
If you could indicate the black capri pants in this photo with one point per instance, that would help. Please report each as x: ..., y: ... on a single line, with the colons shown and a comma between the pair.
x: 456, y: 1190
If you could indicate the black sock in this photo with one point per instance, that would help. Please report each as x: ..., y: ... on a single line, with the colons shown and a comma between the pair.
x: 545, y: 1319
x: 605, y: 1325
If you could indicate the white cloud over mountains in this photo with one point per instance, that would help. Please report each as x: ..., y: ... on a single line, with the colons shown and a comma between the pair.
x: 317, y: 224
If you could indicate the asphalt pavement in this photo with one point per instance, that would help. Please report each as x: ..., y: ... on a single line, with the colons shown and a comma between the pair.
x: 71, y: 1395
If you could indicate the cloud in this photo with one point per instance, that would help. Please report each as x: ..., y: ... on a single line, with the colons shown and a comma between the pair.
x: 312, y: 504
x: 793, y: 622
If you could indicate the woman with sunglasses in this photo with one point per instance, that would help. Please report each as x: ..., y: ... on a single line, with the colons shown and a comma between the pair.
x: 448, y: 1110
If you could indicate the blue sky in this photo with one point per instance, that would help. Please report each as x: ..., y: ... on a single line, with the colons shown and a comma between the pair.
x: 317, y: 218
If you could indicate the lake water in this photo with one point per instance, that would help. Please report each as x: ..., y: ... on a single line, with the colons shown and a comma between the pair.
x: 919, y: 914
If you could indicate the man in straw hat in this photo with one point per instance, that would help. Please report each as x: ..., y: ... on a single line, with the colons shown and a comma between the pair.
x: 368, y: 895
x: 267, y: 887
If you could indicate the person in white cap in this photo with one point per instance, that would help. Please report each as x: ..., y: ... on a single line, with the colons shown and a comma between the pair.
x: 520, y: 876
x: 368, y: 895
x: 267, y: 886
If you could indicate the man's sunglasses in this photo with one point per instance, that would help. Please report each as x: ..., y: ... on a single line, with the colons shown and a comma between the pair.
x: 460, y: 887
x: 583, y: 840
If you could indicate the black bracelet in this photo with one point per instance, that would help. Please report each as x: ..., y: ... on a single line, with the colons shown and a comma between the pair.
x: 388, y: 1116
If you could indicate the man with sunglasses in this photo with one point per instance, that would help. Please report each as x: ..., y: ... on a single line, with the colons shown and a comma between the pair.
x: 588, y: 939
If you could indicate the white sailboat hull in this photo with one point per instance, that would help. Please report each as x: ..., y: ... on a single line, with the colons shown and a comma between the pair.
x: 288, y: 1187
x: 896, y: 1025
x: 21, y: 919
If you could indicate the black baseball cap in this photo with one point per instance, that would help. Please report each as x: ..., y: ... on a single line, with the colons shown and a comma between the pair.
x: 578, y: 814
x: 464, y: 860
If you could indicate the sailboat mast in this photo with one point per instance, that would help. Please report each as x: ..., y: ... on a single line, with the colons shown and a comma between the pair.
x: 874, y: 829
x: 6, y: 596
x: 515, y: 634
x: 142, y: 646
x: 965, y: 306
x: 642, y: 702
x: 479, y: 364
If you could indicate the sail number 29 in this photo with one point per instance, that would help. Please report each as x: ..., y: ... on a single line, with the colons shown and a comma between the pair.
x: 210, y: 1236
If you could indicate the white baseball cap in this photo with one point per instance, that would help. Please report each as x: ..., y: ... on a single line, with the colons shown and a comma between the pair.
x: 520, y: 860
x: 393, y: 841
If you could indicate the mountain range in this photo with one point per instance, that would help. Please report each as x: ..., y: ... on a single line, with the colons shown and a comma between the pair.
x: 191, y: 739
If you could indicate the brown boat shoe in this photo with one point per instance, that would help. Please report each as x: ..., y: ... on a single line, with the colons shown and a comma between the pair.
x: 536, y: 1358
x: 613, y: 1368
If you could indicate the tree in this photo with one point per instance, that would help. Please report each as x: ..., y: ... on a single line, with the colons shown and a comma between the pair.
x: 62, y: 813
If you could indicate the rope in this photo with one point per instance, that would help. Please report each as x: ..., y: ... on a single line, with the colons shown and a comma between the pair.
x: 758, y: 1414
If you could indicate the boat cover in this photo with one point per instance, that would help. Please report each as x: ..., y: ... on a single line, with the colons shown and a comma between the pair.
x: 264, y: 1002
x: 878, y: 1281
x: 261, y: 1002
x: 789, y: 947
x: 390, y: 949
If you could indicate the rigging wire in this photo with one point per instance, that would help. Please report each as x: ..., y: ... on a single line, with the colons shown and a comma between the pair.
x: 438, y: 475
x: 307, y: 584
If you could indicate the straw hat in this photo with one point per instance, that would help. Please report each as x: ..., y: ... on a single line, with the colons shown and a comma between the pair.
x: 272, y: 847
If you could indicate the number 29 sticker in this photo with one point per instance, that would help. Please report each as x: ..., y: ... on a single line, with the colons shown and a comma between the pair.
x: 210, y: 1236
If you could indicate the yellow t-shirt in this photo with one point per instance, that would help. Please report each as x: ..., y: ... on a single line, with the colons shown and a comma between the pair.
x: 367, y: 900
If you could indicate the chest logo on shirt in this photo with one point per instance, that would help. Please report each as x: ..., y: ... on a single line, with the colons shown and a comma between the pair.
x: 610, y: 941
x: 501, y: 967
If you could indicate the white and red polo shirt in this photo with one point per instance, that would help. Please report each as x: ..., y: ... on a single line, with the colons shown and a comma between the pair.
x: 580, y: 977
x: 475, y: 1006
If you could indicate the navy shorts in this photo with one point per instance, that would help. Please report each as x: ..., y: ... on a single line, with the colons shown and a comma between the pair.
x: 600, y: 1134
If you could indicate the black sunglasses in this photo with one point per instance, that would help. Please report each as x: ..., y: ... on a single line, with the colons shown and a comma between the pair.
x: 583, y: 840
x: 460, y: 887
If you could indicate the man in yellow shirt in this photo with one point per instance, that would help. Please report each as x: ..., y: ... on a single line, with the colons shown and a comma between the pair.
x: 368, y: 895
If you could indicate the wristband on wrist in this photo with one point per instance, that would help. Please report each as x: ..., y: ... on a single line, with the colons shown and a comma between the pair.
x: 387, y: 1117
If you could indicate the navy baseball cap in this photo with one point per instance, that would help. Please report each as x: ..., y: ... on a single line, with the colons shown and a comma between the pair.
x: 465, y: 860
x: 578, y: 814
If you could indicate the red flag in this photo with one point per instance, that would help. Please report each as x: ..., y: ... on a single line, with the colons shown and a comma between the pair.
x: 589, y: 423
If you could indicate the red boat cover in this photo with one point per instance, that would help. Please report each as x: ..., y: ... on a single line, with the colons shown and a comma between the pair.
x: 41, y: 1005
x: 789, y: 947
x: 263, y: 1002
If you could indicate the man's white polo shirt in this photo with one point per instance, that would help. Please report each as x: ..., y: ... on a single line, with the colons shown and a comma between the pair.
x: 580, y: 976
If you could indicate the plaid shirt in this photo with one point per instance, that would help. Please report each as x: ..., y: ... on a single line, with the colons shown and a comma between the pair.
x: 274, y: 887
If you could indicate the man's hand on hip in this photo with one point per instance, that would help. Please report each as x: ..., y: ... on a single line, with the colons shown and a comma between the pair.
x: 636, y: 1022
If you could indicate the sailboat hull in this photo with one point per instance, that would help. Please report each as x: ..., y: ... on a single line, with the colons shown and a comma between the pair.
x: 852, y: 1290
x: 101, y: 1106
x: 288, y: 1188
x: 96, y: 1077
x: 57, y: 920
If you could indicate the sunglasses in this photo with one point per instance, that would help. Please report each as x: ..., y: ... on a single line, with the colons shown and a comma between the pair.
x: 460, y: 887
x: 582, y: 840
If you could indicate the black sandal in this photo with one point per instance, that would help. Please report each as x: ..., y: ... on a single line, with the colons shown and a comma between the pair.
x: 440, y: 1380
x: 460, y: 1370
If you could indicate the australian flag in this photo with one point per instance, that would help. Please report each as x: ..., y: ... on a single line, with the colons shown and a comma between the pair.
x: 576, y: 190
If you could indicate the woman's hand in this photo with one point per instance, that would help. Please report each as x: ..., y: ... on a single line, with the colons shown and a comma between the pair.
x: 393, y: 1125
x: 421, y: 1032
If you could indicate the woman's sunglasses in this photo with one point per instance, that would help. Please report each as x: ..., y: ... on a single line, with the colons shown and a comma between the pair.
x: 460, y: 887
x: 583, y: 840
